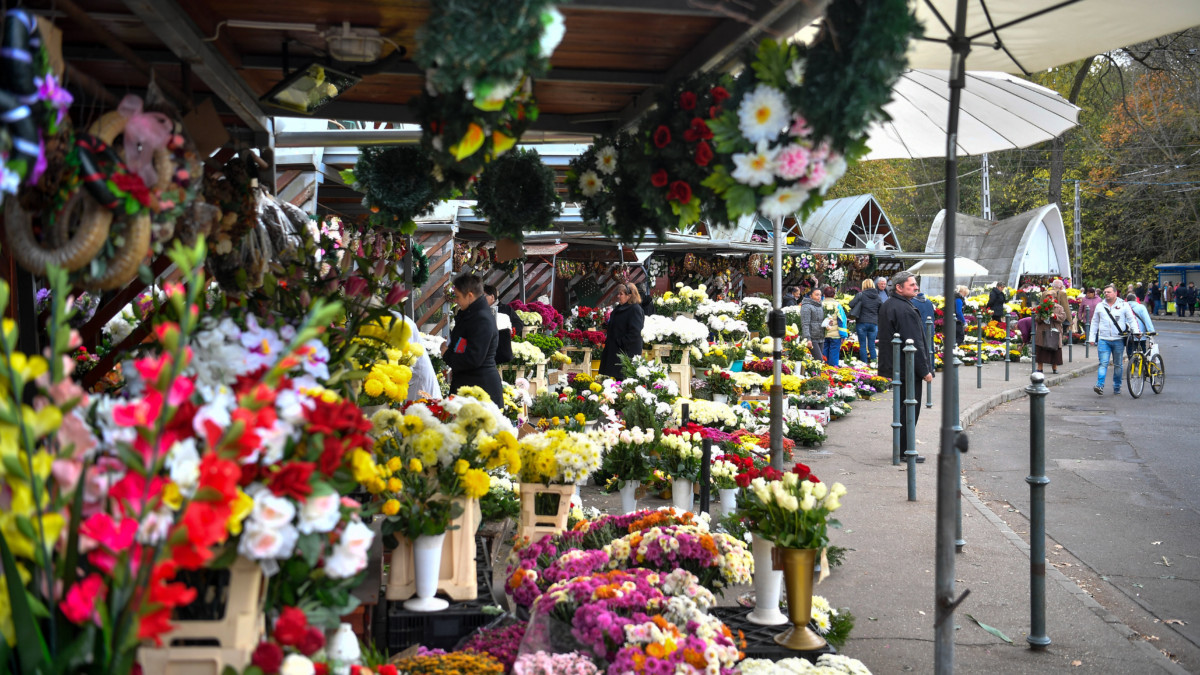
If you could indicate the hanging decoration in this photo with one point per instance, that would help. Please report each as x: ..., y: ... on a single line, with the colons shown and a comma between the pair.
x: 399, y: 185
x: 655, y: 267
x: 420, y: 260
x: 479, y: 60
x: 800, y: 114
x: 516, y: 194
x: 602, y: 181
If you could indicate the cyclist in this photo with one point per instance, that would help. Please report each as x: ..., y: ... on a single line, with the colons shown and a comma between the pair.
x: 1111, y: 322
x: 1143, y: 317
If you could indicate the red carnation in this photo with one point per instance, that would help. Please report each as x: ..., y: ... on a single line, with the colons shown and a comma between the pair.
x: 720, y: 94
x: 291, y: 626
x: 320, y: 668
x: 687, y: 100
x: 680, y: 191
x: 704, y: 154
x: 313, y: 640
x: 291, y: 480
x: 388, y: 669
x: 662, y: 136
x: 697, y: 131
x: 659, y: 178
x: 268, y: 656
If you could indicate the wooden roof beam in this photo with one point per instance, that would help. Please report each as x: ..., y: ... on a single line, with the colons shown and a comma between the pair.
x: 168, y: 20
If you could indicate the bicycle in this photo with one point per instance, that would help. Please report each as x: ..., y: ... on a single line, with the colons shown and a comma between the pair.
x: 1145, y: 364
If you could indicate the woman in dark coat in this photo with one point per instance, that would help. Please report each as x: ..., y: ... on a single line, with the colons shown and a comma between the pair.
x: 470, y: 352
x: 624, y: 330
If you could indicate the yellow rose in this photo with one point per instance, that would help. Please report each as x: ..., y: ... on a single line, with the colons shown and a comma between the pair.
x: 391, y: 507
x: 394, y: 464
x: 414, y: 465
x: 394, y: 485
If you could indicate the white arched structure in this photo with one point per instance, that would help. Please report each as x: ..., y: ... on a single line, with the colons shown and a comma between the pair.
x: 1034, y: 242
x: 857, y: 222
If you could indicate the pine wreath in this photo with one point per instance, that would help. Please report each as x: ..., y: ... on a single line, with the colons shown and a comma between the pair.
x: 516, y: 193
x: 602, y: 181
x: 420, y: 259
x: 399, y: 184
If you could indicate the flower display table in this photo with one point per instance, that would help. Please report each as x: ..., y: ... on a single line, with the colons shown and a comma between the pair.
x: 457, y: 578
x: 536, y: 526
x: 581, y: 360
x: 681, y: 372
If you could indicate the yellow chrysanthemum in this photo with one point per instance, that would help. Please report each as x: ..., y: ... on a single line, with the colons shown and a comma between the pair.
x: 414, y: 465
x: 373, y: 387
x: 390, y: 508
x: 461, y: 466
x: 476, y: 483
x: 394, y: 485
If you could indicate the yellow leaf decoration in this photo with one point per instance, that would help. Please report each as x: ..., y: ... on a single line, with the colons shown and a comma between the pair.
x: 470, y: 143
x: 501, y: 143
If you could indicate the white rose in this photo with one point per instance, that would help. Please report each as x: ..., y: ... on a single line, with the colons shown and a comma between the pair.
x: 184, y: 463
x: 271, y: 511
x: 260, y: 542
x: 320, y: 514
x: 297, y: 664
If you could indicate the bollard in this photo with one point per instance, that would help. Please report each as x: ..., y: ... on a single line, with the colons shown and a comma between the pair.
x: 930, y: 347
x: 979, y: 352
x: 1037, y: 511
x: 959, y: 445
x: 683, y: 415
x: 1033, y: 364
x: 910, y: 419
x: 1007, y: 344
x: 897, y: 395
x: 1070, y: 342
x: 706, y: 476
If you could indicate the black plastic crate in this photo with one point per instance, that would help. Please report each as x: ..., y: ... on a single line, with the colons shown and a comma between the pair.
x: 434, y: 630
x: 760, y: 640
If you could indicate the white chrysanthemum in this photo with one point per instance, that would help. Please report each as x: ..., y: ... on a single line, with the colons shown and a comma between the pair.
x: 762, y: 114
x: 755, y: 168
x: 783, y: 202
x: 589, y: 183
x: 606, y: 160
x: 553, y: 29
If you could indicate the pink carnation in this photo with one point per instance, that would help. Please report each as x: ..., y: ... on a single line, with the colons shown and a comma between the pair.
x: 800, y: 127
x: 792, y: 163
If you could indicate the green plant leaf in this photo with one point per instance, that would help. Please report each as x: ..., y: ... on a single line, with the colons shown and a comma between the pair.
x: 310, y: 547
x: 990, y: 629
x: 727, y: 138
x: 771, y: 63
x: 739, y: 201
x: 31, y: 646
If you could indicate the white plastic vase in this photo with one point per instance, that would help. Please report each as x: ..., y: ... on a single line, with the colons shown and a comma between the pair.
x: 681, y: 494
x: 720, y: 398
x: 343, y: 650
x: 629, y: 495
x: 427, y: 567
x: 728, y: 499
x: 768, y: 585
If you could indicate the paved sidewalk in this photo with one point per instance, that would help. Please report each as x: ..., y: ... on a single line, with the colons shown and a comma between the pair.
x: 887, y: 580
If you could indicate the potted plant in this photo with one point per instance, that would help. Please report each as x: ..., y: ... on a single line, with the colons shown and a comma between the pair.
x: 720, y: 385
x: 628, y: 460
x: 679, y: 455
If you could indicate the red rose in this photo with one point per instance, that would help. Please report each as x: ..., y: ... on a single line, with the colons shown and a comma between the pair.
x: 743, y: 480
x: 313, y: 640
x: 291, y: 480
x: 714, y: 111
x: 291, y: 626
x: 697, y: 131
x: 801, y: 470
x: 320, y: 668
x: 268, y: 656
x: 134, y: 185
x: 388, y: 669
x: 687, y: 100
x: 720, y: 94
x: 680, y: 191
x: 662, y: 136
x: 704, y: 154
x: 331, y: 455
x: 659, y: 178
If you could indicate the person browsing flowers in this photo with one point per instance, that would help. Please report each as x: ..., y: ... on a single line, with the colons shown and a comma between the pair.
x: 470, y: 352
x: 624, y: 330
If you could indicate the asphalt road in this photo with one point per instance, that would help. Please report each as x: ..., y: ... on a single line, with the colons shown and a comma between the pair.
x: 1123, y: 504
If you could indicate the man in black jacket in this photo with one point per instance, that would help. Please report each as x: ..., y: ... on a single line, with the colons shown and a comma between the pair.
x: 899, y: 316
x: 470, y: 352
x: 996, y: 300
x: 791, y: 297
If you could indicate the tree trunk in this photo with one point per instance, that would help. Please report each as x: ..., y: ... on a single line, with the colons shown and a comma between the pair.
x: 1059, y: 143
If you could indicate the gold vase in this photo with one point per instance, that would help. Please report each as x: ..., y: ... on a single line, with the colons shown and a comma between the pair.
x: 798, y: 566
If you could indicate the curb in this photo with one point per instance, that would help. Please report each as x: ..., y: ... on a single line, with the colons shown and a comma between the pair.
x: 969, y: 417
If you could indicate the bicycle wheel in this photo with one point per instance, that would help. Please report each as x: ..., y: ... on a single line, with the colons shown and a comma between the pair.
x: 1135, y: 374
x: 1158, y: 374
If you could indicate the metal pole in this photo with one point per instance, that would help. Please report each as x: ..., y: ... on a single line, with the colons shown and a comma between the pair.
x: 705, y: 476
x: 684, y: 409
x: 897, y: 395
x: 1077, y: 268
x: 1033, y: 345
x: 777, y: 381
x: 1007, y: 344
x: 932, y: 360
x: 1037, y: 510
x: 1071, y: 339
x: 959, y: 448
x: 910, y: 419
x: 979, y: 351
x: 950, y: 439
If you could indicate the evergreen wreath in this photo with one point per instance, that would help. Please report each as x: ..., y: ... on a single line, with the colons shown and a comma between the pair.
x: 398, y: 183
x: 479, y: 59
x: 420, y: 259
x: 668, y: 178
x: 602, y: 182
x: 516, y: 193
x: 799, y: 114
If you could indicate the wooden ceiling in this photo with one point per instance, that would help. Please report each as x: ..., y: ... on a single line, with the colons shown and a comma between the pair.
x: 615, y: 52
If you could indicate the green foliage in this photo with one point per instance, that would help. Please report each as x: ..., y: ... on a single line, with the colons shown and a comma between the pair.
x: 398, y: 182
x: 772, y: 61
x: 516, y: 194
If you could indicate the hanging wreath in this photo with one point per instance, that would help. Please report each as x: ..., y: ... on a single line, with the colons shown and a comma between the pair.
x: 420, y: 259
x: 704, y: 267
x: 655, y: 267
x: 872, y: 263
x: 601, y: 180
x: 399, y: 185
x: 689, y: 262
x: 516, y: 194
x: 478, y: 60
x: 800, y: 114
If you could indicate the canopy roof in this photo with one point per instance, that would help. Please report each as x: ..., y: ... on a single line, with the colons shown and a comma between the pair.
x: 1033, y: 242
x: 851, y: 222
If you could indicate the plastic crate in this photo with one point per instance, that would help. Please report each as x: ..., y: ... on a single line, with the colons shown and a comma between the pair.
x: 434, y: 630
x: 760, y: 640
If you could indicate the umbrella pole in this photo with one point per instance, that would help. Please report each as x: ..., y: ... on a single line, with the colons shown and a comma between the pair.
x: 777, y: 382
x: 949, y: 482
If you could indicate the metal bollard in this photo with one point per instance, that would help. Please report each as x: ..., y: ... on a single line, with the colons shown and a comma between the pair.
x: 1033, y: 348
x: 1070, y: 340
x: 932, y: 360
x: 1007, y: 344
x: 910, y: 419
x: 705, y: 475
x: 683, y: 414
x: 897, y: 395
x: 1037, y: 510
x: 979, y: 352
x: 959, y: 445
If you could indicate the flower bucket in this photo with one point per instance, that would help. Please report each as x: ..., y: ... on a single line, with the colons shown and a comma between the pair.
x: 629, y: 496
x: 798, y: 576
x: 728, y: 499
x: 735, y: 367
x: 427, y: 563
x: 720, y: 398
x: 768, y: 584
x: 457, y: 578
x: 681, y: 494
x: 535, y: 525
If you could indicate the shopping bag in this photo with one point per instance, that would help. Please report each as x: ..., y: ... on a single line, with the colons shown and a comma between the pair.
x: 1171, y: 307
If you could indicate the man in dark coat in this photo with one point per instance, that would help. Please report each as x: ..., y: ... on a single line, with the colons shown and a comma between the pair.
x: 898, y: 315
x: 647, y: 301
x: 470, y: 353
x: 996, y: 300
x: 791, y: 297
x: 624, y: 331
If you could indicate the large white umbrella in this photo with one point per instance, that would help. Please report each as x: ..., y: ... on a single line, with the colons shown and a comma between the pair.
x: 936, y: 267
x: 998, y: 112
